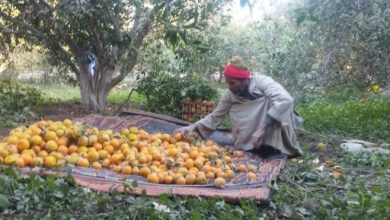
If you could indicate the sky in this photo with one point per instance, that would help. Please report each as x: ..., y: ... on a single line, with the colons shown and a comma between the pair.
x: 241, y: 15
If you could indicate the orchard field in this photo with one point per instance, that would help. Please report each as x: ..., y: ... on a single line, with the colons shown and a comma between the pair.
x: 332, y: 56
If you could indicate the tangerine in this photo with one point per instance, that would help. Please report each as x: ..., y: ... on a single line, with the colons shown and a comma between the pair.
x: 153, y: 178
x: 127, y: 170
x: 82, y: 162
x: 219, y: 182
x: 50, y: 161
x: 23, y: 144
x: 96, y: 165
x: 51, y: 146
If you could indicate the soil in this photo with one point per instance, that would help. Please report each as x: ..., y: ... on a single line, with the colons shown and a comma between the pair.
x: 3, y: 131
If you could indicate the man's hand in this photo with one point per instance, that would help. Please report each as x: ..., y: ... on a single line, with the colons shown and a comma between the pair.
x: 186, y: 131
x: 258, y: 137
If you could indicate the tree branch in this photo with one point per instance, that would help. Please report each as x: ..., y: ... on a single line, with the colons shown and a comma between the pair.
x: 140, y: 31
x: 35, y: 34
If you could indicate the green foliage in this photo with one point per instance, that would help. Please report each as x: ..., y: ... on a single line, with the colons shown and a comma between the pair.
x: 306, y: 192
x: 166, y: 76
x: 201, y: 90
x: 337, y: 97
x: 312, y: 45
x: 16, y: 101
x: 375, y: 160
x: 341, y: 43
x: 113, y: 30
x: 32, y: 196
x: 368, y: 118
x: 163, y: 92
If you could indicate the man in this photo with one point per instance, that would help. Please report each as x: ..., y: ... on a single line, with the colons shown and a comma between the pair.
x: 260, y: 110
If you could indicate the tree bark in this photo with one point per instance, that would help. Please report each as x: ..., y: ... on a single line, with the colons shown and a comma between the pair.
x: 94, y: 88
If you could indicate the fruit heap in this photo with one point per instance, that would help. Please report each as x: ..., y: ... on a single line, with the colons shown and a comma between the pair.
x: 195, y: 110
x: 160, y: 158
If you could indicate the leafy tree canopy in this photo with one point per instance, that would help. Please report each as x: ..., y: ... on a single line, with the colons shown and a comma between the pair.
x: 113, y: 30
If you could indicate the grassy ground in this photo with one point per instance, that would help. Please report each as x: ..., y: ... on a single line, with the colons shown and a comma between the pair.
x: 324, y: 183
x: 67, y: 93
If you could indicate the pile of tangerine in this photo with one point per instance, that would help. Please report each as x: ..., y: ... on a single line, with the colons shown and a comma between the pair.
x: 160, y: 158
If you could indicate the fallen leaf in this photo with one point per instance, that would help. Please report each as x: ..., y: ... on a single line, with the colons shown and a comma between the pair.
x: 335, y: 174
x: 337, y: 167
x: 161, y: 208
x: 320, y: 168
x: 330, y: 162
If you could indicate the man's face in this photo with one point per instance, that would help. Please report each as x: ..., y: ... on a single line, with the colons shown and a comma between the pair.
x: 236, y: 85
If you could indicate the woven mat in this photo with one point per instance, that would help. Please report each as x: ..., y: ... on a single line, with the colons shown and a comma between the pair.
x: 106, y: 181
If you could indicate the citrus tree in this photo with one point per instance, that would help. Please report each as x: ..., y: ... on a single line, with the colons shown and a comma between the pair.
x: 97, y: 40
x: 350, y: 40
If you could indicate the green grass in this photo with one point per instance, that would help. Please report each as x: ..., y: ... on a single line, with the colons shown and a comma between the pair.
x: 61, y: 92
x: 334, y: 97
x: 67, y: 93
x: 118, y: 96
x: 366, y: 118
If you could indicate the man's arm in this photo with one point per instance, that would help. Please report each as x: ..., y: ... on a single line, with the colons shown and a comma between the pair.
x: 258, y: 136
x: 207, y: 125
x: 279, y: 111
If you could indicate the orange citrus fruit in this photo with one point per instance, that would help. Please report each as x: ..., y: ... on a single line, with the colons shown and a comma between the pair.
x: 9, y: 160
x: 51, y: 146
x: 219, y: 182
x: 36, y: 140
x: 145, y: 171
x: 50, y: 161
x: 152, y: 178
x: 190, y: 178
x: 23, y: 144
x: 37, y: 161
x: 62, y: 149
x: 251, y: 176
x: 96, y: 165
x: 181, y: 181
x: 19, y: 162
x: 93, y: 155
x: 27, y: 158
x: 126, y: 170
x: 50, y: 135
x: 82, y: 162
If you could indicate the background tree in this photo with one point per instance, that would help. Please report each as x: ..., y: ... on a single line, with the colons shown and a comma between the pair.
x: 112, y: 30
x: 167, y: 68
x: 348, y: 42
x: 312, y: 45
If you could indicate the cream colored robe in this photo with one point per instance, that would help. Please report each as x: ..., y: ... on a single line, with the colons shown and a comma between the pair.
x: 247, y: 116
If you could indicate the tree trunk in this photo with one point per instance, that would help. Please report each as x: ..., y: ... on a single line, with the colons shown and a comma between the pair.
x: 94, y: 88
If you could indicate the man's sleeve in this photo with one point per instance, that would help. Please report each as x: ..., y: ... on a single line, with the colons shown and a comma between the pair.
x: 282, y: 104
x: 206, y: 126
